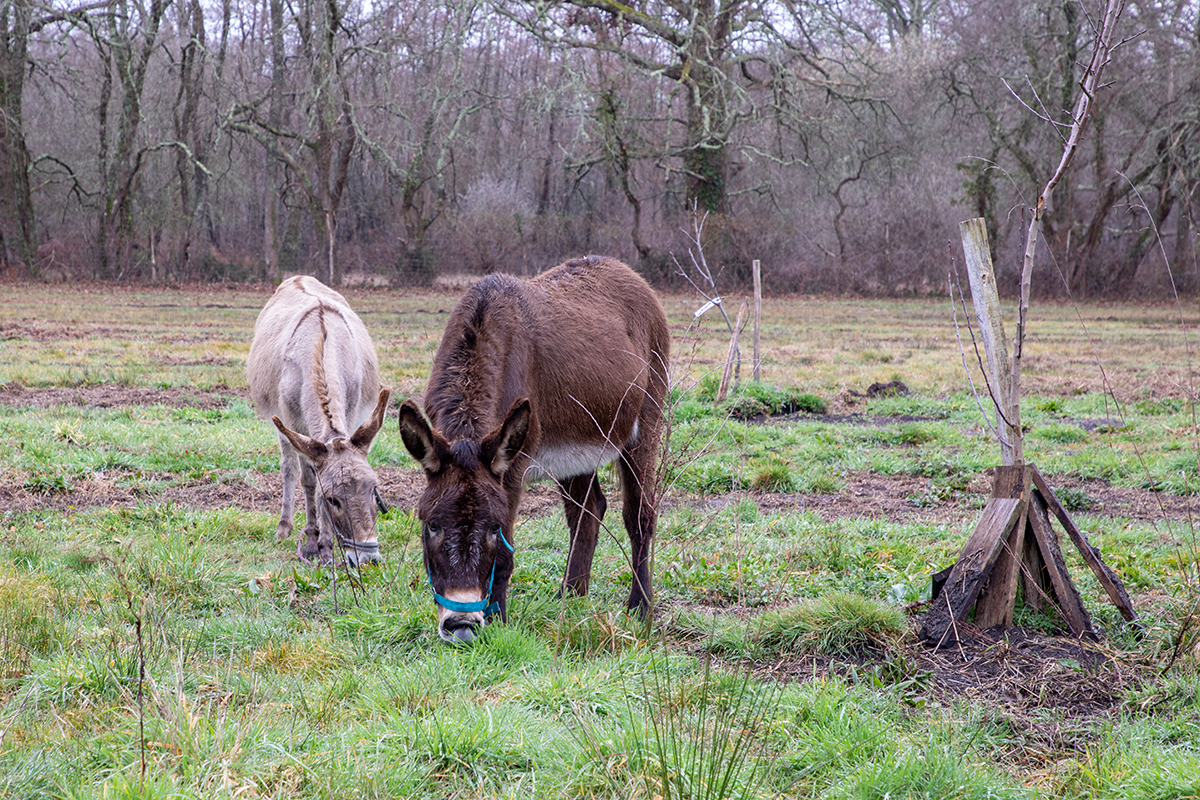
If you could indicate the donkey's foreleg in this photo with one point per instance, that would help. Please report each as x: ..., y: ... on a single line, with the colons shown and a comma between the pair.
x: 584, y: 505
x: 289, y: 470
x: 311, y: 546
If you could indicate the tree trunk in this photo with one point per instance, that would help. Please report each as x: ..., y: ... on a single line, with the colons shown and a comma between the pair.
x: 18, y: 231
x: 705, y: 161
x: 275, y: 169
x: 705, y: 156
x: 188, y: 166
x: 130, y: 43
x: 336, y: 135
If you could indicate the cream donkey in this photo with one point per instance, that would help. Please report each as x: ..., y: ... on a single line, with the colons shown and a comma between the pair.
x: 312, y: 369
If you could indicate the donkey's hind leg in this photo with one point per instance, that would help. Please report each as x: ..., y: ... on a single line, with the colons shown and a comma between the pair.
x: 639, y: 510
x: 584, y: 505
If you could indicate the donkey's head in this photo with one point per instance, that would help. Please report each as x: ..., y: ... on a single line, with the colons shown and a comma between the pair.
x: 466, y: 518
x: 347, y: 489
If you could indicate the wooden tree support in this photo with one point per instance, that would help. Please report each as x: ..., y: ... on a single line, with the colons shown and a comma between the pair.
x: 1013, y: 545
x: 734, y: 356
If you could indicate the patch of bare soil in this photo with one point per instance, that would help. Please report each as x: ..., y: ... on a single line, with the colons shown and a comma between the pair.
x: 903, y: 498
x: 30, y: 329
x: 1047, y: 689
x: 262, y: 492
x: 1020, y: 670
x: 113, y: 395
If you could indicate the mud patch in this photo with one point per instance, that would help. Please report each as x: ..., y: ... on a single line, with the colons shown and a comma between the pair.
x: 901, y: 499
x: 34, y: 331
x: 1048, y: 689
x: 112, y: 395
x: 260, y: 492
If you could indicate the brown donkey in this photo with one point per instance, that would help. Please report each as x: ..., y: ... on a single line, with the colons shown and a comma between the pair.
x: 312, y: 368
x: 550, y: 377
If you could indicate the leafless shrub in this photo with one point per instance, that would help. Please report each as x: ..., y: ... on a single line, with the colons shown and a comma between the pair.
x: 493, y: 224
x: 64, y: 259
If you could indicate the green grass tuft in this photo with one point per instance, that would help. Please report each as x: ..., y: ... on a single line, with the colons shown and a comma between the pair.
x: 834, y: 624
x: 772, y: 474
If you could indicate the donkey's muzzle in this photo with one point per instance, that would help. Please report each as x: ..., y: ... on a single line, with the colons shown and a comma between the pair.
x: 360, y: 553
x: 459, y: 630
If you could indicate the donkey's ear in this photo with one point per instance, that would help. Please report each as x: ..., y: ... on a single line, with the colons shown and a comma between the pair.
x: 309, y: 449
x: 367, y: 432
x: 502, y: 445
x: 422, y: 443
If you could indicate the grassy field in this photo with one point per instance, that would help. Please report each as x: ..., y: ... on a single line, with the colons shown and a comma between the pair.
x: 156, y: 642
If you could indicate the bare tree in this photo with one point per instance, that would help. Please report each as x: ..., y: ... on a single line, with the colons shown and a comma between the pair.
x: 429, y: 92
x: 194, y: 134
x: 706, y: 50
x: 126, y: 36
x: 17, y: 227
x: 1022, y: 88
x: 742, y: 82
x: 317, y: 150
x: 19, y: 19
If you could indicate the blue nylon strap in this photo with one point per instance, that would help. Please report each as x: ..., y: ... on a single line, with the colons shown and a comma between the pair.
x: 479, y: 605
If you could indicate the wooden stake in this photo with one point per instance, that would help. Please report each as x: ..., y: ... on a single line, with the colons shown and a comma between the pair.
x: 757, y: 317
x: 733, y: 352
x: 1113, y: 585
x: 973, y: 567
x: 1069, y: 601
x: 986, y: 299
x: 998, y: 597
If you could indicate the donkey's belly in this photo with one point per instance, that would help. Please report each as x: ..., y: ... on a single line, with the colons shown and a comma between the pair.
x: 575, y: 458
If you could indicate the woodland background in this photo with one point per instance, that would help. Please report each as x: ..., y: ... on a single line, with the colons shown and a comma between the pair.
x: 377, y: 140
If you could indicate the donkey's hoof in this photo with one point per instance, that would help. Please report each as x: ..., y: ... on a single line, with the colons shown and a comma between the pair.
x: 283, y: 532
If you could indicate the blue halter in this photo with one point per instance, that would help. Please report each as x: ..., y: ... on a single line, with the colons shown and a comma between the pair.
x: 479, y: 605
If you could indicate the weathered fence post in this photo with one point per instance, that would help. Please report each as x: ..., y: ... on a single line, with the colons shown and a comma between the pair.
x: 757, y: 317
x: 986, y: 298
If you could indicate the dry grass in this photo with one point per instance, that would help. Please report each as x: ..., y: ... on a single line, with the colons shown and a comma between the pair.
x: 199, y: 336
x: 830, y: 345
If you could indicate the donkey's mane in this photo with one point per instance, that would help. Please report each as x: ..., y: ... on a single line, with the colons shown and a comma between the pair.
x: 320, y: 382
x: 462, y: 402
x: 320, y: 386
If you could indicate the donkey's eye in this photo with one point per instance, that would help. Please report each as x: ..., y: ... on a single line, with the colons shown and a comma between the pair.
x: 334, y: 503
x: 432, y: 529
